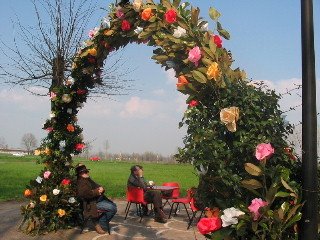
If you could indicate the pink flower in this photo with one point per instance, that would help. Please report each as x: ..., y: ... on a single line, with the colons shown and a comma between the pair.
x: 256, y: 204
x: 207, y: 225
x: 46, y: 174
x: 53, y: 96
x: 195, y: 55
x: 120, y: 14
x: 65, y: 181
x: 264, y: 151
x: 193, y: 103
x: 49, y: 129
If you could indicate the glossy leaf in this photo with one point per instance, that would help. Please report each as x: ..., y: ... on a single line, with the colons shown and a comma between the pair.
x: 214, y: 14
x: 251, y: 184
x: 252, y: 169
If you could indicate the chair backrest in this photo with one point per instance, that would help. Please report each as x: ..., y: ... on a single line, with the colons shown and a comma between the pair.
x: 135, y: 195
x: 193, y: 206
x: 176, y: 191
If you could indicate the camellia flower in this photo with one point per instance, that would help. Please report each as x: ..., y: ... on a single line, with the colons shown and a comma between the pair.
x: 66, y: 98
x: 182, y: 81
x: 71, y: 200
x: 53, y: 96
x: 229, y: 116
x: 47, y: 151
x: 205, y: 27
x: 125, y: 25
x: 65, y: 181
x: 55, y: 191
x: 146, y: 14
x: 137, y: 4
x: 264, y: 151
x: 52, y: 115
x: 32, y: 204
x: 61, y: 212
x: 92, y: 51
x: 208, y: 225
x: 194, y: 55
x: 138, y: 30
x: 213, y: 71
x: 120, y: 14
x: 43, y: 198
x: 27, y: 193
x: 70, y: 127
x: 37, y: 152
x: 46, y: 174
x: 256, y: 204
x: 70, y: 81
x: 79, y: 146
x: 81, y: 91
x: 62, y: 145
x: 217, y: 40
x: 193, y: 103
x: 39, y: 179
x: 49, y: 129
x: 230, y: 216
x: 170, y: 16
x: 179, y: 32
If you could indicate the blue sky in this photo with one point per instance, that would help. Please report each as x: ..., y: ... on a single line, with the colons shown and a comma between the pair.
x: 265, y: 42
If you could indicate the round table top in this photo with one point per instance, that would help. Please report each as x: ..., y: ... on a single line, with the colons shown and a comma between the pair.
x: 163, y: 187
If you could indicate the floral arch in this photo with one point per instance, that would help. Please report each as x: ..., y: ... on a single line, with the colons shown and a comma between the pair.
x: 225, y: 117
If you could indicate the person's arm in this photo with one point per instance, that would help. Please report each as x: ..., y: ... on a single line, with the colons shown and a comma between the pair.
x: 85, y: 191
x: 134, y: 181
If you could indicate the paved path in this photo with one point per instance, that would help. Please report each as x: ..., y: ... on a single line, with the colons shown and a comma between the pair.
x: 174, y: 229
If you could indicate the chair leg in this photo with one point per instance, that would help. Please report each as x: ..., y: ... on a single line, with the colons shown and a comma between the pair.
x: 127, y: 210
x: 187, y: 211
x: 191, y: 220
x: 171, y: 209
x: 140, y: 212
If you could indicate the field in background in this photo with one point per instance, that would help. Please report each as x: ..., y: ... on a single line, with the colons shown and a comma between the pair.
x: 16, y: 172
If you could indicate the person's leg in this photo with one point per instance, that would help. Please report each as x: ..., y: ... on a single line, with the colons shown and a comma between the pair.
x: 110, y: 209
x: 155, y: 198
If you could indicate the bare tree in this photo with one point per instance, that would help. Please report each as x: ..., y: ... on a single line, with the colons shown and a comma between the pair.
x: 3, y: 143
x: 29, y: 142
x: 87, y: 150
x: 106, y: 148
x: 51, y: 45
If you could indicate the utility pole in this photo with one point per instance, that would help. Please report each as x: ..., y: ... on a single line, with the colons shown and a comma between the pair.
x: 309, y: 221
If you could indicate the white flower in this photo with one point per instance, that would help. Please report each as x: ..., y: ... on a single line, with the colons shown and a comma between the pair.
x: 66, y: 98
x: 105, y: 23
x: 202, y: 170
x: 80, y: 105
x: 62, y: 144
x: 138, y: 30
x: 70, y: 81
x: 69, y: 110
x: 137, y: 4
x: 55, y: 191
x: 93, y: 32
x: 32, y: 204
x: 72, y: 200
x: 39, y: 179
x: 205, y: 27
x: 179, y: 32
x: 230, y: 215
x: 52, y: 115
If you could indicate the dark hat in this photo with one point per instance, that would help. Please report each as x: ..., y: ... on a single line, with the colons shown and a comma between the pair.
x: 81, y: 168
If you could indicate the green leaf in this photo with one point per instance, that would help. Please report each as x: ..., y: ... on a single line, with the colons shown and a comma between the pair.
x: 251, y: 184
x: 166, y: 4
x: 160, y: 58
x: 214, y: 14
x: 176, y: 3
x: 286, y: 185
x: 252, y: 169
x: 294, y: 219
x: 206, y: 61
x: 200, y: 77
x: 282, y: 194
x: 224, y: 33
x: 212, y: 46
x: 195, y: 15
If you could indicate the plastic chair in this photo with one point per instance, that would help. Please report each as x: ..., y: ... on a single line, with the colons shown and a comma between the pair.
x: 135, y: 195
x: 175, y: 192
x: 194, y: 210
x: 184, y: 201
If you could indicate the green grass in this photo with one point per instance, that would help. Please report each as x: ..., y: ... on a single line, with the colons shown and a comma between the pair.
x: 16, y: 172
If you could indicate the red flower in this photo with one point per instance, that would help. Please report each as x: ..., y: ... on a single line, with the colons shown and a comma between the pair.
x: 208, y: 225
x: 65, y: 181
x: 193, y: 103
x: 81, y: 91
x: 79, y: 146
x: 217, y: 40
x: 91, y: 60
x: 49, y: 129
x: 125, y: 25
x: 170, y: 16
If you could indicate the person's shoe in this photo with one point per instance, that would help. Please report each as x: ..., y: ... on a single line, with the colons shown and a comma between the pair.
x: 160, y: 217
x: 99, y: 229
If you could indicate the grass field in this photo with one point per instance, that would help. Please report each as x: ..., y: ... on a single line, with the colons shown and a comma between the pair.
x: 16, y: 172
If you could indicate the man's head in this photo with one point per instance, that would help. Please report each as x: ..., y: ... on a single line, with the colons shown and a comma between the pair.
x: 136, y: 169
x: 82, y: 170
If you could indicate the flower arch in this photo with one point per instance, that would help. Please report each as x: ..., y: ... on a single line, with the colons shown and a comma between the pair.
x: 220, y: 100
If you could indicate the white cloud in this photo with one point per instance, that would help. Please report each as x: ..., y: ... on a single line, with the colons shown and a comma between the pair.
x: 159, y: 92
x: 171, y: 79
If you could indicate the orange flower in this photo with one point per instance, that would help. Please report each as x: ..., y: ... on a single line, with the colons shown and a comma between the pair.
x: 70, y: 127
x: 37, y: 152
x: 61, y: 212
x: 213, y: 71
x: 182, y: 81
x: 92, y: 51
x: 214, y: 212
x: 27, y: 193
x: 43, y: 198
x: 47, y: 151
x: 146, y: 14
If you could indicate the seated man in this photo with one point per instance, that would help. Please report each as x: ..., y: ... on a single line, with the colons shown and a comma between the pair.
x: 136, y: 179
x: 92, y: 195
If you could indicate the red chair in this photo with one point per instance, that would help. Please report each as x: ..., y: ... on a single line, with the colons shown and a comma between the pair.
x: 194, y: 210
x: 175, y: 192
x: 184, y: 201
x: 135, y: 195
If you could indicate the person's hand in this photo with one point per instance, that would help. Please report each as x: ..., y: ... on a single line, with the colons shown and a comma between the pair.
x: 101, y: 190
x: 140, y: 172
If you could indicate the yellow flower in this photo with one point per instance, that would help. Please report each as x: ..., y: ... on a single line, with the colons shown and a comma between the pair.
x: 47, y: 151
x: 137, y: 4
x: 213, y: 71
x: 61, y: 212
x: 37, y: 152
x: 92, y: 51
x: 43, y: 198
x: 229, y: 116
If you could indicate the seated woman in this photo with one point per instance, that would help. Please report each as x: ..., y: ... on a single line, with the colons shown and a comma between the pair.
x: 92, y: 195
x: 136, y: 179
